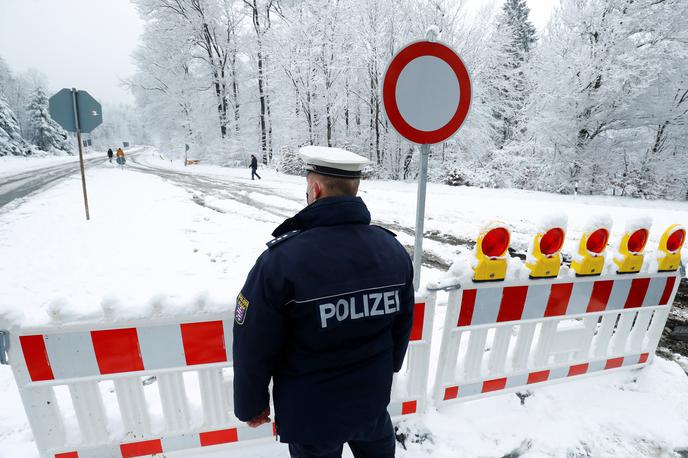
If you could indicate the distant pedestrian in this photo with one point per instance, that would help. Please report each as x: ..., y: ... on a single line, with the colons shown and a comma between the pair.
x: 254, y: 167
x: 110, y: 154
x: 121, y: 160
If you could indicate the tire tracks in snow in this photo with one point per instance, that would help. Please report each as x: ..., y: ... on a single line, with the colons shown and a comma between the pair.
x: 201, y: 186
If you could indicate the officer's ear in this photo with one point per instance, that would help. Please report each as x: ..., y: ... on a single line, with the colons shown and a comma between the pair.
x: 317, y: 190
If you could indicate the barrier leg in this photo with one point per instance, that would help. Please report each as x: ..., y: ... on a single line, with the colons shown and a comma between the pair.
x: 213, y: 396
x: 474, y: 353
x: 524, y: 342
x: 174, y: 403
x: 418, y: 368
x: 604, y: 335
x: 590, y: 326
x: 500, y: 345
x: 640, y: 329
x: 133, y: 406
x: 447, y: 365
x: 656, y: 327
x: 449, y: 345
x: 545, y: 339
x: 623, y: 329
x: 90, y: 412
x: 44, y: 417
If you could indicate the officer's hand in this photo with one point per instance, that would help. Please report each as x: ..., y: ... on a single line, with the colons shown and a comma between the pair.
x: 260, y: 419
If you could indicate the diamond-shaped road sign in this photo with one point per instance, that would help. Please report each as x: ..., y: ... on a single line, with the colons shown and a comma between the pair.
x: 61, y: 107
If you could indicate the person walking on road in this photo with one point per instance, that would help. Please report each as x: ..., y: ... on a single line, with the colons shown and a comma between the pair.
x: 121, y: 160
x: 109, y: 153
x: 325, y: 313
x: 254, y: 167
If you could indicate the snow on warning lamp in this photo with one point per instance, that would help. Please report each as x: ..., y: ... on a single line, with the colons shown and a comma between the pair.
x: 669, y: 253
x: 590, y: 257
x: 630, y: 257
x: 490, y: 251
x: 545, y: 253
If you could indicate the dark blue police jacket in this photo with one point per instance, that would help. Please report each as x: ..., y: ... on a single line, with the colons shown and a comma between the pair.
x: 326, y: 312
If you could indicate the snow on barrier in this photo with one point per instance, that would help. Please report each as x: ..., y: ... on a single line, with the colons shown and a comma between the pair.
x: 503, y: 335
x: 508, y: 335
x: 183, y: 359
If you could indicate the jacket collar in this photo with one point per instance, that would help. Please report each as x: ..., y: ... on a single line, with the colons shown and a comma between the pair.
x: 329, y: 211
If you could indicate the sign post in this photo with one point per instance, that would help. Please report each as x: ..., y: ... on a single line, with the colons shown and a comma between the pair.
x: 426, y: 95
x: 76, y: 111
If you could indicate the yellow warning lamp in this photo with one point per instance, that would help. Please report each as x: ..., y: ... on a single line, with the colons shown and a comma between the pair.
x: 631, y: 249
x: 490, y: 251
x: 670, y: 248
x: 546, y: 253
x: 590, y: 259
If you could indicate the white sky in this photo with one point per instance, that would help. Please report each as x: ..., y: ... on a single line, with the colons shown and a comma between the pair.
x: 75, y: 43
x: 88, y: 43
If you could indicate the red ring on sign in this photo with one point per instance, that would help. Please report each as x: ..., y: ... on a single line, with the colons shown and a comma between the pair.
x: 406, y: 55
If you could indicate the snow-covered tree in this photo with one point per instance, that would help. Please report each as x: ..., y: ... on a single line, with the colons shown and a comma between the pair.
x: 45, y: 133
x: 600, y: 99
x: 11, y: 141
x: 290, y: 162
x: 511, y: 87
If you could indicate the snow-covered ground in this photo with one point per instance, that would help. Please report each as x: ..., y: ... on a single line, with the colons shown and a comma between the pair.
x: 187, y: 240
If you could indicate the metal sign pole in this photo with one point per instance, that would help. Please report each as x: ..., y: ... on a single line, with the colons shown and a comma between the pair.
x: 420, y: 214
x: 81, y: 151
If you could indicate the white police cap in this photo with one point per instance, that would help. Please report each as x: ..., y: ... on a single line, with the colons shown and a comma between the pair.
x: 334, y: 162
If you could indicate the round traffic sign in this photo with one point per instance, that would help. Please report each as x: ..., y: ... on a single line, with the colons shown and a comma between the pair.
x: 426, y: 92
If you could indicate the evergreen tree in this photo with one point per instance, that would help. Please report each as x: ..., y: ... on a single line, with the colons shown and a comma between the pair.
x: 290, y: 162
x: 512, y: 89
x: 46, y: 134
x: 11, y: 141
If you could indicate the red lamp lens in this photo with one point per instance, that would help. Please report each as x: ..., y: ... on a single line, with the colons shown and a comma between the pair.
x: 675, y: 240
x: 495, y: 242
x: 597, y: 241
x: 552, y: 241
x: 637, y: 241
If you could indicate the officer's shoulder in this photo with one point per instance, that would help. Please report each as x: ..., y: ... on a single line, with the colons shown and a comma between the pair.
x: 385, y: 229
x: 283, y: 238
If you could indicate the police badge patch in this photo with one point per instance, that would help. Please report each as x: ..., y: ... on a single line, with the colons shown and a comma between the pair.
x: 241, y: 309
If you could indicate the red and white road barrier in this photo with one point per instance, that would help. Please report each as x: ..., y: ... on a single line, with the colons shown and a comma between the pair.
x: 409, y: 390
x: 84, y: 356
x: 505, y: 335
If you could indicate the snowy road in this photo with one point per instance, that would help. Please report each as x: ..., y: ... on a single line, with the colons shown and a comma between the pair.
x: 22, y: 184
x: 267, y: 198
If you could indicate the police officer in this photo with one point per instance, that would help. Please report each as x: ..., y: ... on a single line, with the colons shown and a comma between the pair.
x: 326, y: 313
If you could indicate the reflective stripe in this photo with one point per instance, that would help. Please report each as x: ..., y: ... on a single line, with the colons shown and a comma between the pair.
x: 182, y: 442
x: 418, y: 321
x: 457, y: 392
x: 512, y: 303
x: 487, y: 302
x: 71, y: 354
x: 347, y: 292
x: 580, y: 298
x: 161, y: 347
x: 636, y: 295
x: 655, y: 291
x: 536, y: 302
x: 619, y: 294
x: 36, y: 358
